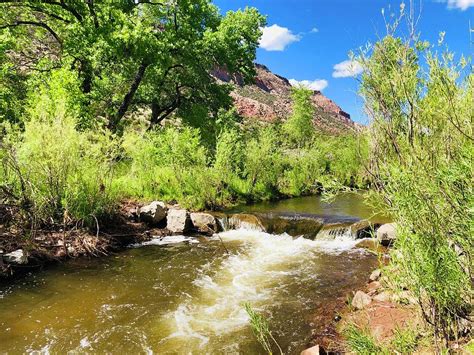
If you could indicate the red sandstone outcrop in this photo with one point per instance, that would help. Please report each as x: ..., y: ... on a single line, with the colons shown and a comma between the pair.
x: 269, y: 99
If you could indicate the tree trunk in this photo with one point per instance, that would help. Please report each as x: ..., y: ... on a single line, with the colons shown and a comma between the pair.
x: 127, y: 100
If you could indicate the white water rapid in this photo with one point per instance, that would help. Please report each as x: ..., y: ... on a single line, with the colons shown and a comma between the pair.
x: 258, y: 270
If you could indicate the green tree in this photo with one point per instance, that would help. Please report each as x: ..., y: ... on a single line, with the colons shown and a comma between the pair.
x: 299, y: 126
x: 128, y: 54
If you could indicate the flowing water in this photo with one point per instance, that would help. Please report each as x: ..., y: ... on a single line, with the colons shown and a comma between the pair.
x: 182, y: 295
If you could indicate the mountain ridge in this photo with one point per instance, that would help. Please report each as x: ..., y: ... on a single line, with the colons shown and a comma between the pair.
x: 269, y: 99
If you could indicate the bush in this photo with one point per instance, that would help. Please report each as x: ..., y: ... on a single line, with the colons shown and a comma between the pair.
x: 421, y: 143
x: 57, y: 173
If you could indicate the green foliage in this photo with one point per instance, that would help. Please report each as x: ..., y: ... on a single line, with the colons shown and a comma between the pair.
x: 126, y: 55
x: 405, y: 341
x: 361, y: 341
x: 261, y: 329
x: 421, y: 140
x: 299, y: 126
x: 57, y: 173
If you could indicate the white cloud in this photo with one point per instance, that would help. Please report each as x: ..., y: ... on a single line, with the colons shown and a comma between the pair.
x: 460, y: 4
x: 276, y: 38
x: 347, y: 69
x: 314, y: 30
x: 317, y: 85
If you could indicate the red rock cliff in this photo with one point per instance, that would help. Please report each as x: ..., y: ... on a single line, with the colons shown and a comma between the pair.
x: 269, y: 99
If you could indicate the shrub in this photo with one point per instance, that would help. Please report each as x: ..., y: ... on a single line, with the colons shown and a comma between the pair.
x: 421, y: 156
x: 58, y: 174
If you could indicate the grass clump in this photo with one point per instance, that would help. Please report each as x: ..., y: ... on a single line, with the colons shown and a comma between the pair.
x: 361, y: 341
x: 261, y: 330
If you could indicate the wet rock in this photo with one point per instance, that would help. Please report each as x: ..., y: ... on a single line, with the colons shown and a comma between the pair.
x: 386, y: 234
x: 294, y: 224
x: 178, y: 221
x: 16, y: 257
x: 364, y: 229
x: 375, y: 275
x: 245, y: 221
x: 315, y: 350
x: 153, y: 213
x: 204, y: 223
x: 361, y: 300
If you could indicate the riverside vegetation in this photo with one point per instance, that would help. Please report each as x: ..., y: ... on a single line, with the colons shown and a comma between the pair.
x: 108, y: 101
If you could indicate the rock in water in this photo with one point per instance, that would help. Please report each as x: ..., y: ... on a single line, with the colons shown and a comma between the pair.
x: 204, y: 223
x: 178, y: 221
x: 16, y: 257
x: 364, y: 229
x: 386, y: 234
x: 153, y: 213
x: 361, y: 300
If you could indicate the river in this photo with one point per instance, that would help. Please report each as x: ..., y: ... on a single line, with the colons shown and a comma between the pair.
x: 185, y: 295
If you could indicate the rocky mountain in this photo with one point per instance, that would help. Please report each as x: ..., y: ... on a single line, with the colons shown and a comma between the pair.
x: 269, y: 99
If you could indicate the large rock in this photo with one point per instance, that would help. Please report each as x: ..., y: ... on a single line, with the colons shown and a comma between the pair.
x: 294, y: 224
x: 364, y: 229
x: 386, y: 234
x: 361, y: 300
x: 153, y: 213
x: 178, y: 221
x: 204, y: 223
x: 16, y: 257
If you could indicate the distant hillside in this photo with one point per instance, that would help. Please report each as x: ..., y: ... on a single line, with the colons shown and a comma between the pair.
x: 269, y: 100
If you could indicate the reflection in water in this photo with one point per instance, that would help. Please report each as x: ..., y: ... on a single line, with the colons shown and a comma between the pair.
x: 182, y: 297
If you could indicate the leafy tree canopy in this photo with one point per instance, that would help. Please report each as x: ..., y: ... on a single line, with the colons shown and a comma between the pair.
x: 125, y: 54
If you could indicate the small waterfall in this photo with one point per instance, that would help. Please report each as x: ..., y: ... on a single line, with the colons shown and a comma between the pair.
x: 331, y: 233
x: 223, y: 223
x: 240, y: 221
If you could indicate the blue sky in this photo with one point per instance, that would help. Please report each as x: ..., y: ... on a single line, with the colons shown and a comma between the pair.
x: 305, y: 39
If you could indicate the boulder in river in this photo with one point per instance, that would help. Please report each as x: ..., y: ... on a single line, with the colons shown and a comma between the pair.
x: 178, y: 221
x: 16, y: 257
x: 361, y: 300
x: 364, y: 229
x: 386, y: 234
x: 294, y: 224
x: 204, y: 223
x: 153, y: 213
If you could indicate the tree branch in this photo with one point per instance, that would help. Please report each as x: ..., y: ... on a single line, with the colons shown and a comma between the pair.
x: 34, y: 23
x: 90, y: 4
x: 129, y: 96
